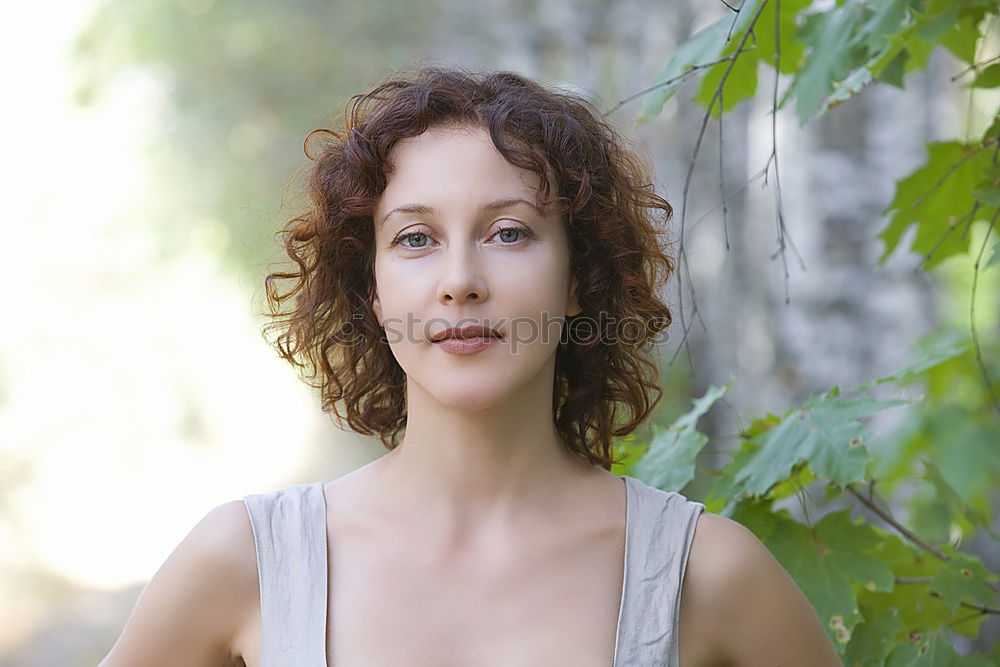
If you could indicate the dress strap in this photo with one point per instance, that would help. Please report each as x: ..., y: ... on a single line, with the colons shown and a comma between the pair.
x: 661, y: 529
x: 289, y: 529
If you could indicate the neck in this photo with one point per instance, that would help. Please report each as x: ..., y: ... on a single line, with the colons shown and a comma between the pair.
x: 464, y: 474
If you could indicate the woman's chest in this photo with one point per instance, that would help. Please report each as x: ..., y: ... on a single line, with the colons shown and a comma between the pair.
x: 557, y: 607
x: 557, y: 595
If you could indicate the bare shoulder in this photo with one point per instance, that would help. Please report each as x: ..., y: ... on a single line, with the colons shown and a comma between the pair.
x: 195, y: 604
x: 736, y: 593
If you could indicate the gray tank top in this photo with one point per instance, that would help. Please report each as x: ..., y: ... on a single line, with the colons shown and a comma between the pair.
x: 289, y: 529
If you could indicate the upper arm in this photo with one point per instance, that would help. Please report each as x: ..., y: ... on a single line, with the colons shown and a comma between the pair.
x: 743, y: 599
x: 192, y: 608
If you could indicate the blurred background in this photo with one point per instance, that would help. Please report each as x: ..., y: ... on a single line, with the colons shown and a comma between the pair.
x: 150, y: 152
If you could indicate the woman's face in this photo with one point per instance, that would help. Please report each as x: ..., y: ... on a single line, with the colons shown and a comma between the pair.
x: 444, y: 260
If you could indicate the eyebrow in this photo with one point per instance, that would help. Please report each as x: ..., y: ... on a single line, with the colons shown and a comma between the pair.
x: 494, y: 205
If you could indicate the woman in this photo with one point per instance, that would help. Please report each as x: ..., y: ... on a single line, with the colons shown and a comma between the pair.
x: 457, y: 220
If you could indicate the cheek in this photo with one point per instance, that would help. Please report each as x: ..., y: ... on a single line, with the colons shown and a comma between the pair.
x: 392, y: 287
x: 543, y: 285
x: 537, y: 311
x: 404, y: 296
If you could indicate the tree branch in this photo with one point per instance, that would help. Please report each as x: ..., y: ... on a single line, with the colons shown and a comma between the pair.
x: 972, y: 314
x: 900, y: 528
x: 974, y: 67
x: 682, y: 252
x: 688, y: 72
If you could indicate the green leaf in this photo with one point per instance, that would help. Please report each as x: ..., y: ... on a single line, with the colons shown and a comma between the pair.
x: 994, y: 655
x: 933, y: 649
x: 891, y: 72
x: 932, y: 517
x: 852, y: 45
x: 831, y: 490
x: 930, y: 650
x: 883, y: 45
x: 629, y: 451
x: 723, y: 497
x: 931, y: 351
x: 823, y: 561
x: 872, y: 639
x: 962, y: 37
x: 992, y: 133
x: 792, y: 46
x: 935, y: 198
x: 849, y: 87
x: 953, y: 501
x: 910, y: 47
x: 907, y: 48
x: 887, y: 19
x: 829, y: 60
x: 848, y: 543
x: 824, y: 432
x: 913, y: 602
x: 669, y: 463
x: 702, y: 48
x: 963, y: 578
x: 988, y: 78
x: 939, y: 17
x: 995, y: 257
x: 987, y: 195
x: 740, y: 83
x: 968, y: 624
x: 977, y: 660
x: 801, y: 476
x: 737, y: 25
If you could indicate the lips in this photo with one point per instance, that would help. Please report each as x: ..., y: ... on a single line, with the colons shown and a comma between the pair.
x: 466, y: 332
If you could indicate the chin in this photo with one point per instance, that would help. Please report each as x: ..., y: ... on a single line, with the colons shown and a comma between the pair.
x: 477, y: 389
x: 472, y: 387
x: 469, y: 397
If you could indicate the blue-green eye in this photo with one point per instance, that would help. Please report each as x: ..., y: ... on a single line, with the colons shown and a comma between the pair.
x: 510, y: 237
x: 399, y: 239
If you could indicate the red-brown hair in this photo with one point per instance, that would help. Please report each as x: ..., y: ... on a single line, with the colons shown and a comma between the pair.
x: 610, y: 211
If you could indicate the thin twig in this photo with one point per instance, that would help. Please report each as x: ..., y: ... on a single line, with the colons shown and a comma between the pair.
x: 903, y: 530
x: 970, y: 215
x: 688, y: 72
x: 967, y: 218
x: 950, y: 171
x: 886, y: 516
x: 974, y: 67
x: 981, y: 608
x: 972, y: 315
x: 722, y: 185
x: 682, y: 252
x: 799, y: 494
x: 725, y: 199
x: 922, y: 581
x: 779, y: 208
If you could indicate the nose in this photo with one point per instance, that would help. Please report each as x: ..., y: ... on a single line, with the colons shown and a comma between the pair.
x: 462, y: 281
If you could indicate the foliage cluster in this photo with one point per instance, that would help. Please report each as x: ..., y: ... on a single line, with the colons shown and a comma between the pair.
x: 889, y: 592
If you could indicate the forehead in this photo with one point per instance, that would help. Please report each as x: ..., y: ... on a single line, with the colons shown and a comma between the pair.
x: 453, y: 163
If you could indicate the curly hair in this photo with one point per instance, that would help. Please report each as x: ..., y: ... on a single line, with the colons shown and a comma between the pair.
x: 608, y: 206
